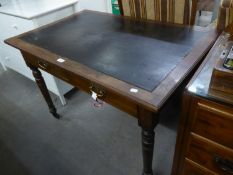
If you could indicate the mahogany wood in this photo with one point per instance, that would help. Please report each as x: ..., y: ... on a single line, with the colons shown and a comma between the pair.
x: 121, y: 7
x: 151, y: 100
x: 203, y: 152
x: 179, y: 155
x: 147, y: 150
x: 222, y: 79
x: 187, y: 11
x: 148, y: 121
x: 111, y: 97
x: 214, y: 123
x: 192, y: 168
x: 204, y: 141
x: 144, y: 105
x: 43, y: 88
x: 193, y: 12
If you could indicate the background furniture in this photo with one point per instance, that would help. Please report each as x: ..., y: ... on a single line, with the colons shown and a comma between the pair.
x: 115, y: 7
x: 205, y: 136
x: 209, y: 8
x: 97, y: 5
x: 216, y: 9
x: 165, y: 11
x: 208, y: 5
x: 225, y: 15
x: 205, y: 5
x: 17, y: 17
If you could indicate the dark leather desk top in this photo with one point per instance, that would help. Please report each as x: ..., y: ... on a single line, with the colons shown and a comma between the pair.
x: 141, y: 54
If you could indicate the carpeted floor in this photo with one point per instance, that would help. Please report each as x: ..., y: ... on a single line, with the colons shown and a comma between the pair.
x: 86, y: 141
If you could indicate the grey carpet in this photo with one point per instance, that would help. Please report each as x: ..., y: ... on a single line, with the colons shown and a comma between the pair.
x: 85, y: 141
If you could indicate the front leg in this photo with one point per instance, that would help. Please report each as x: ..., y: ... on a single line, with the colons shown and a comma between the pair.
x: 43, y: 88
x: 148, y: 121
x: 147, y: 150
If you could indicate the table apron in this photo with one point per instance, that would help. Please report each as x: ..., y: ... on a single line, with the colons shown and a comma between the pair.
x: 113, y: 98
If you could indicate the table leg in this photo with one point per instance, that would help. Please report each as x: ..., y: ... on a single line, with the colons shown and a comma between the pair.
x: 43, y: 88
x: 147, y: 151
x: 148, y: 121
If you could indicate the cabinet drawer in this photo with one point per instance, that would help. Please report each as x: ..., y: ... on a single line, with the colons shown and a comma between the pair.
x: 210, y: 155
x: 215, y: 122
x: 12, y: 26
x: 192, y: 168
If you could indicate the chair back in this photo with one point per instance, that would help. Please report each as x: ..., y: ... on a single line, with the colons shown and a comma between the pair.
x: 166, y: 11
x: 225, y: 14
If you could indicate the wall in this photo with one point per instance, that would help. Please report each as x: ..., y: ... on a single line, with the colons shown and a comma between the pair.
x: 98, y: 5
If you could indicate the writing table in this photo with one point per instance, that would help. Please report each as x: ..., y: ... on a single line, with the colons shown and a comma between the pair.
x: 133, y: 65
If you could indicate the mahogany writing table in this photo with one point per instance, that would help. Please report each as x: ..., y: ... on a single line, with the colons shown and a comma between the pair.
x: 133, y: 65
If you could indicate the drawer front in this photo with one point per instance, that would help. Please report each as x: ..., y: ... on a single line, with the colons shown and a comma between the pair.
x: 86, y: 85
x: 12, y: 26
x: 192, y: 168
x: 215, y: 122
x: 210, y: 155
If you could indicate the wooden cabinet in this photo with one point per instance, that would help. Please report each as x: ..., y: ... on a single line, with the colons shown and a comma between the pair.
x: 207, y: 144
x: 205, y: 136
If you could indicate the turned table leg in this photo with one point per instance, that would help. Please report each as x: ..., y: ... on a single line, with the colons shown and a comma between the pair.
x: 147, y: 151
x: 43, y: 88
x: 147, y: 120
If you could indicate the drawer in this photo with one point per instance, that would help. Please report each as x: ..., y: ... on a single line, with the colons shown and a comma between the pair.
x: 12, y: 26
x: 192, y: 168
x: 15, y: 61
x: 215, y: 122
x: 210, y: 155
x: 84, y: 84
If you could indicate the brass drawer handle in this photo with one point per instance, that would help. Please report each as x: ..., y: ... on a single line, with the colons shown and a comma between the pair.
x: 42, y: 65
x: 224, y: 164
x: 98, y: 90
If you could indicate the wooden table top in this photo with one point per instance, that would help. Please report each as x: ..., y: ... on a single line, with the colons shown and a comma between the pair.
x: 120, y: 54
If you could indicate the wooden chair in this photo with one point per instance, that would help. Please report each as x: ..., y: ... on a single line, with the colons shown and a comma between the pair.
x: 225, y: 14
x: 166, y: 11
